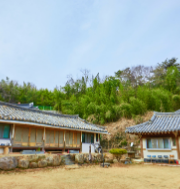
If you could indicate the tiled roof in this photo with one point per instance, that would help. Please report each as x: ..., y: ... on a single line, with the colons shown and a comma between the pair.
x: 13, y: 113
x: 160, y: 122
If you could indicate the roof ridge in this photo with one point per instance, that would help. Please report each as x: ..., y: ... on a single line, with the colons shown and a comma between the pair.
x: 37, y: 111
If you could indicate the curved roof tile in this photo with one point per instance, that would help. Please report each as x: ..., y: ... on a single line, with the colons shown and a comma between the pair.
x: 12, y: 112
x: 160, y: 122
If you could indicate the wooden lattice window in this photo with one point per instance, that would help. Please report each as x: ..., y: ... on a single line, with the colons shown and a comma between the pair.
x: 4, y: 131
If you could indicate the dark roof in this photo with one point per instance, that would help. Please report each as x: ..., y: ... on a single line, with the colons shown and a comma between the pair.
x: 15, y: 114
x: 29, y: 106
x: 160, y: 122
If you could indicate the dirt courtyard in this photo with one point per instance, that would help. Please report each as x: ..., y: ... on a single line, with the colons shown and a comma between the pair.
x: 133, y: 176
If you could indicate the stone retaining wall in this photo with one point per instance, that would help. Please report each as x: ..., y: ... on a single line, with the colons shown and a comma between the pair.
x: 39, y: 161
x: 30, y: 161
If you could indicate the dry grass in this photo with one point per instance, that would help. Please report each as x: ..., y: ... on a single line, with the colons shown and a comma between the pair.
x: 121, y: 124
x: 118, y: 176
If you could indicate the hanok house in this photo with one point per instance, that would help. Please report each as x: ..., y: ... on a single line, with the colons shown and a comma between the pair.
x: 159, y: 137
x: 23, y: 129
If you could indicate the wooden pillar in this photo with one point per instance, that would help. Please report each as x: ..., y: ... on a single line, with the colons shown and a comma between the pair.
x: 6, y: 151
x: 12, y: 136
x: 81, y: 143
x: 64, y: 140
x: 141, y: 144
x: 177, y: 144
x: 44, y: 139
x: 142, y: 155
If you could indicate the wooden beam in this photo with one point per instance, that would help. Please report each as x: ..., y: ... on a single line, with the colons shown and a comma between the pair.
x: 175, y: 133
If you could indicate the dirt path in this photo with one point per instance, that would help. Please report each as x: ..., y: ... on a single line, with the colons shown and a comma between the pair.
x: 134, y: 176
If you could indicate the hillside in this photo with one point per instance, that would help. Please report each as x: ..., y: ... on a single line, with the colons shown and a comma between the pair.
x: 117, y: 131
x: 122, y: 123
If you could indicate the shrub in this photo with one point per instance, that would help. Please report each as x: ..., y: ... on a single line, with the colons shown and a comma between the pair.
x: 118, y: 152
x: 176, y: 102
x: 124, y: 143
x: 138, y: 107
x: 125, y: 109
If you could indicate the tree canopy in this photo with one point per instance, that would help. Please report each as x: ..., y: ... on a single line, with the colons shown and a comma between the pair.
x: 127, y: 93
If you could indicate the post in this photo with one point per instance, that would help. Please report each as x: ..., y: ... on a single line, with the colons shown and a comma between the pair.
x: 141, y: 143
x: 44, y: 138
x: 177, y: 144
x: 81, y: 143
x: 64, y: 141
x: 90, y: 153
x: 12, y: 136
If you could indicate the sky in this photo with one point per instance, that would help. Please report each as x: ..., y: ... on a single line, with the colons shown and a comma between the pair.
x: 44, y: 41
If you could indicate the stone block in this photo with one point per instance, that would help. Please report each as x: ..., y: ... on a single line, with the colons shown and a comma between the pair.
x: 42, y: 163
x: 23, y: 163
x: 33, y: 158
x: 109, y: 160
x: 41, y: 157
x: 86, y: 158
x: 33, y: 165
x: 49, y: 160
x: 56, y: 160
x: 79, y: 158
x: 115, y: 161
x: 98, y: 158
x: 62, y: 160
x: 8, y: 163
x: 72, y: 157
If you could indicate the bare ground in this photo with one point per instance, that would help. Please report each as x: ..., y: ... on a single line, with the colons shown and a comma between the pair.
x: 118, y: 176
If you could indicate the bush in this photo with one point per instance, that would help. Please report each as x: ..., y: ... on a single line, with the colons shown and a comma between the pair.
x: 125, y: 109
x: 118, y: 152
x: 124, y: 143
x: 138, y: 107
x: 176, y: 102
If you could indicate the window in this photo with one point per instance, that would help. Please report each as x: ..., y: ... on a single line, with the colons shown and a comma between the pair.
x: 96, y: 137
x: 174, y: 141
x: 159, y: 143
x: 4, y: 131
x: 87, y: 138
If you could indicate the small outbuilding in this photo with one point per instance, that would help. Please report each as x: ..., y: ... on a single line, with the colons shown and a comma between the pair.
x: 24, y: 128
x: 160, y: 136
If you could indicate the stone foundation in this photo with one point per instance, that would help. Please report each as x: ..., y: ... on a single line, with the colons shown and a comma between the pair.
x: 44, y: 160
x: 30, y: 161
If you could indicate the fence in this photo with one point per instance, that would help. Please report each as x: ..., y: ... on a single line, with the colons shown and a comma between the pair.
x: 45, y: 107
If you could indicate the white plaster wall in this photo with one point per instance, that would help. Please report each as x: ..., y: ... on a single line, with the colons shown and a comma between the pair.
x: 4, y: 141
x: 1, y: 150
x: 85, y: 148
x: 158, y: 152
x: 163, y: 152
x: 144, y: 143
